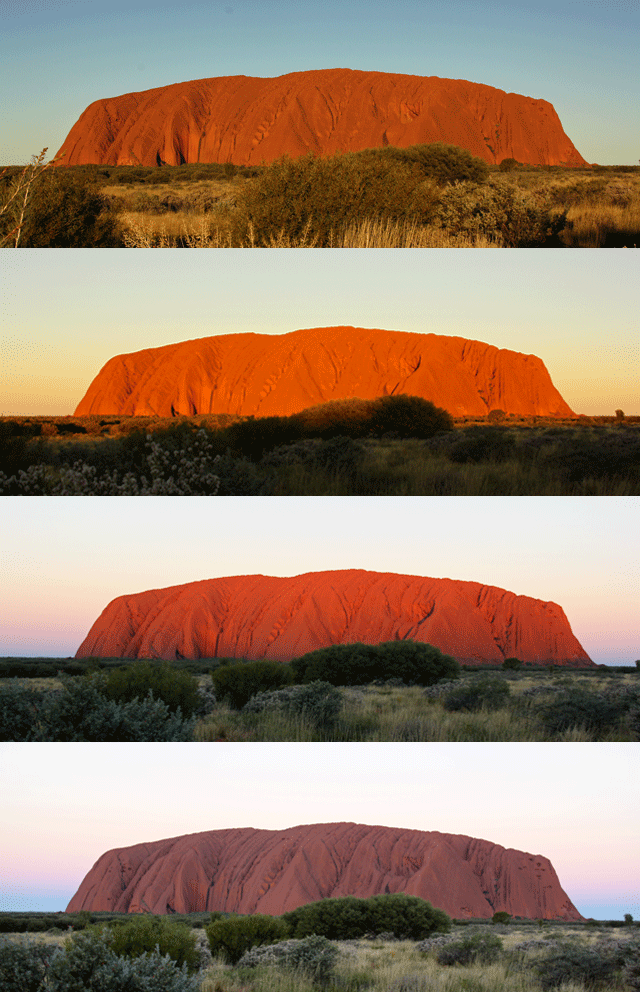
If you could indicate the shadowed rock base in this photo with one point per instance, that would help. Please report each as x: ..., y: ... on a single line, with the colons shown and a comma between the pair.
x: 276, y: 375
x: 284, y: 617
x: 267, y: 871
x: 250, y: 120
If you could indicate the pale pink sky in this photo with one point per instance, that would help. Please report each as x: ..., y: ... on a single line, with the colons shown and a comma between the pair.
x: 574, y: 803
x: 66, y: 558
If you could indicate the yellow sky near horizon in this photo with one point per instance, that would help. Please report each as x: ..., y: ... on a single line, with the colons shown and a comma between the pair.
x: 575, y: 310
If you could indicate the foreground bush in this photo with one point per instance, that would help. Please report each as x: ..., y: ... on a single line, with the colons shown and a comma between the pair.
x: 408, y: 417
x: 325, y: 194
x: 64, y: 210
x: 442, y: 161
x: 483, y: 948
x: 175, y: 687
x: 500, y: 209
x: 313, y: 955
x: 24, y: 965
x: 82, y: 712
x: 596, y: 712
x: 241, y: 681
x: 574, y: 963
x: 143, y: 933
x: 486, y: 692
x: 185, y: 474
x: 319, y: 703
x: 88, y: 964
x: 349, y: 917
x: 358, y: 663
x: 232, y: 936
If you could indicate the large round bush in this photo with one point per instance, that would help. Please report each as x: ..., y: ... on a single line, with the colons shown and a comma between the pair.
x: 359, y: 663
x: 241, y: 681
x: 176, y: 687
x: 233, y: 936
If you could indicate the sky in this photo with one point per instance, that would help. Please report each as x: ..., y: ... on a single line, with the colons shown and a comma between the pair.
x: 65, y: 315
x: 61, y: 55
x: 573, y: 803
x: 65, y: 559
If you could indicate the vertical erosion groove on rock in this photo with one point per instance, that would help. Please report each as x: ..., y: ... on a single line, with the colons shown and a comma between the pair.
x: 275, y: 871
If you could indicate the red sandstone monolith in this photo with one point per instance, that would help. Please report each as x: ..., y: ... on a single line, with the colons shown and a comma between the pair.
x: 250, y: 374
x: 251, y: 120
x: 275, y: 871
x: 284, y: 617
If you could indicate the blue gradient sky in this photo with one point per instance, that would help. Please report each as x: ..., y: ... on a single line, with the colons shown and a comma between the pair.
x: 66, y: 558
x: 66, y: 314
x: 574, y: 803
x: 581, y: 55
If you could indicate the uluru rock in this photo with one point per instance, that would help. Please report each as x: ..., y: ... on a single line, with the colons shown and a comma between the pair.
x: 250, y: 120
x: 284, y: 617
x: 276, y: 375
x: 275, y: 871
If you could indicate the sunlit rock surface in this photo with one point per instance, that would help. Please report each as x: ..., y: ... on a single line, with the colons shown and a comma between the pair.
x: 276, y: 375
x: 284, y: 617
x: 250, y: 120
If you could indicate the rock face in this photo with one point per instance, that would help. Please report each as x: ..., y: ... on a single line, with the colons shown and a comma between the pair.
x: 281, y: 618
x: 277, y: 375
x: 275, y: 871
x: 250, y: 120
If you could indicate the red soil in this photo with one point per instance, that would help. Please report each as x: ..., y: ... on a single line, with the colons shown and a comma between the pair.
x: 250, y: 120
x: 267, y: 871
x: 284, y: 617
x: 267, y: 375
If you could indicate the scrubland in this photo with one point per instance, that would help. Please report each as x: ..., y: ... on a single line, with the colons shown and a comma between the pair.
x: 330, y: 450
x: 472, y: 956
x: 125, y: 701
x: 424, y: 196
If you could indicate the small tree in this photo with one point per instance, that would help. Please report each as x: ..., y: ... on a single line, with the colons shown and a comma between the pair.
x: 501, y: 917
x: 628, y: 919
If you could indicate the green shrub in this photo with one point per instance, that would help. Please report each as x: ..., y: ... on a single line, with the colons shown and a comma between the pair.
x: 574, y: 963
x: 480, y: 444
x: 88, y: 964
x: 349, y: 417
x: 240, y: 681
x: 236, y: 935
x: 313, y: 955
x: 64, y: 210
x: 175, y: 687
x: 24, y: 965
x: 508, y: 164
x: 348, y: 917
x: 357, y: 663
x: 325, y: 194
x: 501, y: 917
x: 577, y: 707
x: 256, y: 435
x: 483, y: 948
x: 319, y: 702
x: 20, y: 709
x: 408, y: 417
x: 142, y: 933
x: 82, y: 712
x: 484, y: 692
x: 500, y: 210
x: 443, y: 162
x: 339, y: 455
